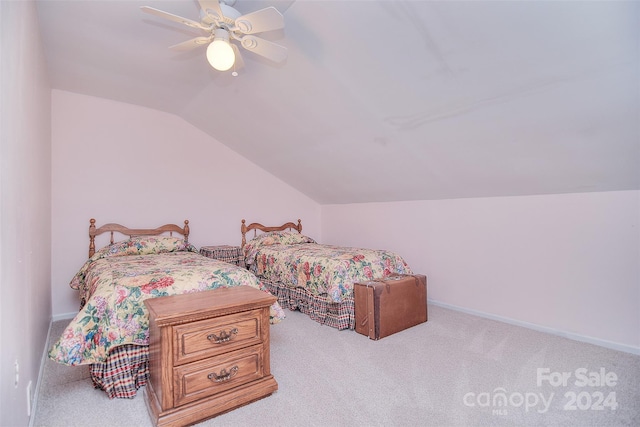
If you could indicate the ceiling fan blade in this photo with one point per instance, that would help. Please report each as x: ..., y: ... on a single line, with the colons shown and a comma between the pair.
x: 284, y: 5
x: 212, y: 7
x: 265, y: 48
x: 172, y: 17
x: 191, y: 44
x: 262, y: 20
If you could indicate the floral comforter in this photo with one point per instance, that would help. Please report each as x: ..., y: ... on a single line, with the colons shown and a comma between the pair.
x: 295, y: 260
x: 114, y: 283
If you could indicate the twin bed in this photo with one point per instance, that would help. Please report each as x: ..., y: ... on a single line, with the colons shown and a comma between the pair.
x: 313, y: 278
x: 110, y: 332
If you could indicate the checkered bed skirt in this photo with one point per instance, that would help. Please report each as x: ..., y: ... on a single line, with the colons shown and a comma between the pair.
x: 230, y: 254
x: 123, y: 373
x: 337, y: 315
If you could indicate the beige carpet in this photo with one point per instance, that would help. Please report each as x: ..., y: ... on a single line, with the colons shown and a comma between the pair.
x: 455, y: 370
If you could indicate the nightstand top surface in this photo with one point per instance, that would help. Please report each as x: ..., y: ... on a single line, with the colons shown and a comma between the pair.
x: 216, y: 302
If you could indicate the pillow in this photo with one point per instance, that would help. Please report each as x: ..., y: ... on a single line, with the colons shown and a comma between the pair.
x: 280, y: 238
x: 145, y: 245
x: 137, y: 245
x: 272, y: 238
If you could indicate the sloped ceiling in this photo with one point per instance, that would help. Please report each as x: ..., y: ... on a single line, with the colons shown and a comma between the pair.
x: 386, y: 100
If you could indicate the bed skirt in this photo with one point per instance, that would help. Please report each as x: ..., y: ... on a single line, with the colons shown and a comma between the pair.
x: 123, y: 373
x: 337, y: 315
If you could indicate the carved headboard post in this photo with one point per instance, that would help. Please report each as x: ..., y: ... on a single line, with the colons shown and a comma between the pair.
x: 243, y: 230
x: 186, y: 230
x: 92, y: 237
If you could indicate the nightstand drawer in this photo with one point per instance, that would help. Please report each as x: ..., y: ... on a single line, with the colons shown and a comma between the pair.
x: 208, y: 377
x: 207, y: 338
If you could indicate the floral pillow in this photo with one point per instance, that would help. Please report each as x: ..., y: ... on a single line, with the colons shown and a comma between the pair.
x: 273, y: 238
x: 136, y: 245
x: 145, y: 245
x: 280, y: 238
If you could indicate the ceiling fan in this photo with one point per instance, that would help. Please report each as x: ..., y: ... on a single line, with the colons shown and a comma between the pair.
x: 222, y: 24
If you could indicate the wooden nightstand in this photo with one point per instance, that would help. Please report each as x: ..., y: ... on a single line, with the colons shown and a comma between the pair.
x: 208, y: 353
x: 226, y: 253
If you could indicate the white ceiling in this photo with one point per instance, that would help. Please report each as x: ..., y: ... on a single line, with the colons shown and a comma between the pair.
x: 386, y: 100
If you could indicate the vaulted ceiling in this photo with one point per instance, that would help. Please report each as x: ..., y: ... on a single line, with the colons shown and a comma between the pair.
x: 386, y: 100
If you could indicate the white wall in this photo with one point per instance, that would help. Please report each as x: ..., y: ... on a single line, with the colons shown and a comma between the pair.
x: 564, y: 263
x: 25, y: 207
x: 143, y: 168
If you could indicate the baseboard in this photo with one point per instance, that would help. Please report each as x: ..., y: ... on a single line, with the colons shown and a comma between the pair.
x: 576, y: 337
x: 43, y: 360
x: 36, y: 391
x: 63, y: 316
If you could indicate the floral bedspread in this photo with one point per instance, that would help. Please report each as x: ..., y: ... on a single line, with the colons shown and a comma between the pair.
x: 296, y: 260
x: 115, y: 282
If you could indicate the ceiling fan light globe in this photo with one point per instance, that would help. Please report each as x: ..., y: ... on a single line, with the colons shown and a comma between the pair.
x: 220, y: 55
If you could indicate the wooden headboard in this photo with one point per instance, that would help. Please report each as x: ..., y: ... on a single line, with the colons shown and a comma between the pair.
x: 117, y: 228
x: 244, y: 228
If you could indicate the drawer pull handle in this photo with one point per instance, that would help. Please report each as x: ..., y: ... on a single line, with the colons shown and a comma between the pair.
x: 224, y: 375
x: 223, y: 337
